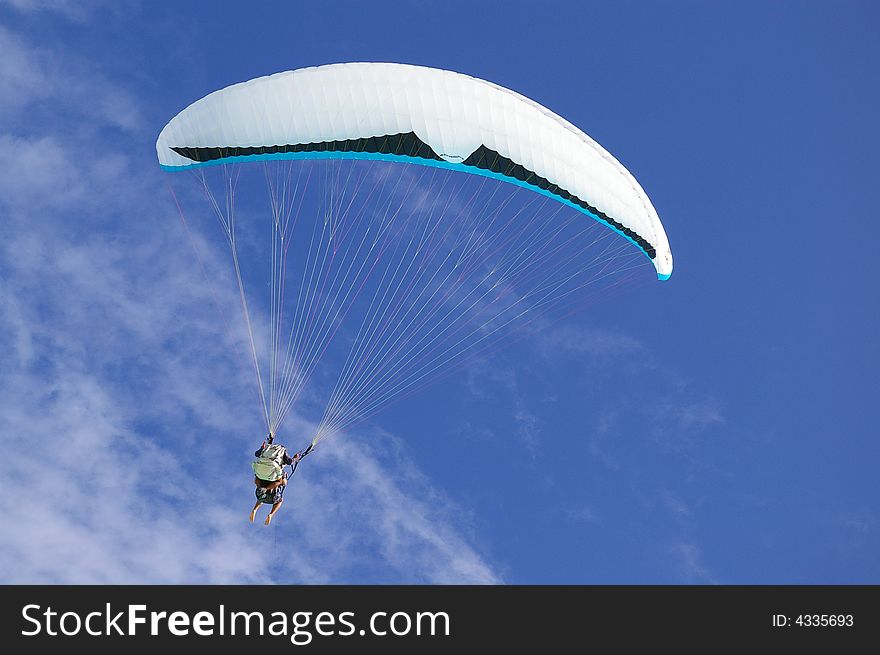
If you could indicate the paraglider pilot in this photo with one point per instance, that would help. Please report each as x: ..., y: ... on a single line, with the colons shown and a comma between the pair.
x: 269, y: 476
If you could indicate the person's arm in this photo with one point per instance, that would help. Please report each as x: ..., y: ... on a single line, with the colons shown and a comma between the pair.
x: 297, y: 457
x: 259, y: 450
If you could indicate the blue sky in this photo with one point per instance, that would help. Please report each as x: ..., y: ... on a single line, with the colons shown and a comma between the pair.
x: 717, y: 428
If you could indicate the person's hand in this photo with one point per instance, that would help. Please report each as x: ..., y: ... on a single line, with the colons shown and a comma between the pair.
x: 263, y: 445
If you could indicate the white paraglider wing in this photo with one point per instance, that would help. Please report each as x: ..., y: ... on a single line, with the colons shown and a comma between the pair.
x: 419, y: 115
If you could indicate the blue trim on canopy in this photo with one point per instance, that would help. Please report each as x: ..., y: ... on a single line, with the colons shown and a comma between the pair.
x: 380, y: 156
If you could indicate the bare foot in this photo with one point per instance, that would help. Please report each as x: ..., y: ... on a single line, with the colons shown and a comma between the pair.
x: 253, y: 514
x: 268, y: 519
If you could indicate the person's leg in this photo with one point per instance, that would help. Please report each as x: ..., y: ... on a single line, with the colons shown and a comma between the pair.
x: 272, y: 513
x: 254, y: 511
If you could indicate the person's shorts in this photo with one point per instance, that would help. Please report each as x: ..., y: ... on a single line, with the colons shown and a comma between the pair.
x: 270, y: 497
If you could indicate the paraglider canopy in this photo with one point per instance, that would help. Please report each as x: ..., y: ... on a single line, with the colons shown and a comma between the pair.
x: 419, y: 115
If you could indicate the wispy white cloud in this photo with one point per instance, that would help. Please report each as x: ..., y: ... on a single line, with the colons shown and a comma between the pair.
x: 854, y: 533
x: 74, y: 10
x: 690, y: 565
x: 40, y: 174
x: 692, y: 414
x: 22, y: 75
x: 594, y: 342
x: 682, y: 419
x: 18, y: 345
x: 674, y: 503
x: 60, y: 87
x: 861, y: 523
x: 528, y: 428
x: 634, y: 412
x: 486, y: 382
x: 388, y: 505
x: 670, y: 408
x: 582, y: 514
x: 483, y: 379
x: 604, y: 432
